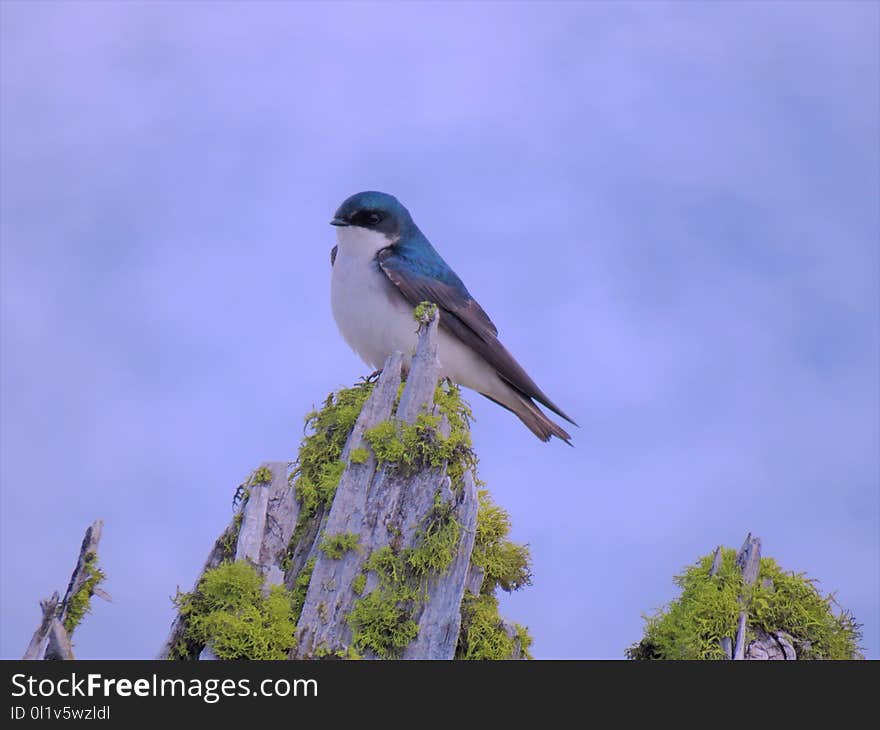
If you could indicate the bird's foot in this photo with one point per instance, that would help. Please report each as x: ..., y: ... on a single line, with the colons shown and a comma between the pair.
x: 373, y: 376
x: 240, y: 493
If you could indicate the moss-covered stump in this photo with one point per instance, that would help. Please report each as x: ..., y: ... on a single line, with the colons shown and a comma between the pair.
x: 402, y: 556
x: 377, y: 535
x: 230, y: 613
x: 258, y: 534
x: 386, y: 477
x: 785, y: 616
x: 61, y: 617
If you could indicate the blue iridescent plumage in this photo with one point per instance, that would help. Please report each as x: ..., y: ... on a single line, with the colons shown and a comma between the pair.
x: 420, y: 274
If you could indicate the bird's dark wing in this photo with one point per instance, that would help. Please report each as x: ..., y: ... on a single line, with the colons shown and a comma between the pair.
x: 333, y: 255
x: 462, y: 317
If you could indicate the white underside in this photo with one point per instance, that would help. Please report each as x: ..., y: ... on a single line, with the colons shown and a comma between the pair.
x: 375, y: 320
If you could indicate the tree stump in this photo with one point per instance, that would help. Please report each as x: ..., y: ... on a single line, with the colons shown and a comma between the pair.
x: 382, y: 570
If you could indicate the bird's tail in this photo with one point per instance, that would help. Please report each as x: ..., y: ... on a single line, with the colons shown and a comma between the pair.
x: 533, y: 417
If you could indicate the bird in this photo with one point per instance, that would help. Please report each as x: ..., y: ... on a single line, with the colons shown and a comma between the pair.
x: 382, y: 267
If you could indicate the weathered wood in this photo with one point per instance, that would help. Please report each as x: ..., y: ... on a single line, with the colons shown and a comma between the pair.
x: 379, y: 503
x: 37, y: 647
x: 253, y: 523
x: 716, y: 562
x: 59, y: 646
x: 418, y: 394
x: 268, y: 519
x: 383, y: 506
x: 259, y: 535
x: 776, y: 646
x: 440, y: 619
x: 509, y: 628
x: 474, y: 580
x: 330, y: 595
x: 51, y: 639
x: 748, y: 560
x: 80, y: 575
x: 282, y: 513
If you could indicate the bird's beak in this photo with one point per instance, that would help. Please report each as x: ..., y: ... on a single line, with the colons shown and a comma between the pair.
x: 339, y: 222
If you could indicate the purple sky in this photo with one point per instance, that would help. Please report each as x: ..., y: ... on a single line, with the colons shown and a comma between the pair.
x: 670, y: 211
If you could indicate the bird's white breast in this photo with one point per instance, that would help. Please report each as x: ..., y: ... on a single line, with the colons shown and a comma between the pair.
x: 375, y: 319
x: 372, y: 318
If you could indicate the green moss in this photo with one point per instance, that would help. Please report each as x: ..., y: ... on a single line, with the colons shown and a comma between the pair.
x: 263, y: 475
x: 300, y: 588
x: 79, y: 603
x: 483, y: 635
x: 318, y: 465
x: 438, y: 541
x: 447, y: 398
x: 382, y: 624
x: 358, y: 456
x: 383, y: 621
x: 229, y: 613
x: 424, y: 312
x: 320, y: 488
x: 229, y: 539
x: 325, y: 652
x: 525, y: 640
x: 335, y: 546
x: 416, y: 446
x: 792, y: 603
x: 506, y: 565
x: 359, y: 583
x: 691, y: 626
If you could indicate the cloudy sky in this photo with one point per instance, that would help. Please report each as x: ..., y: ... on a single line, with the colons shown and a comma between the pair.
x: 670, y: 211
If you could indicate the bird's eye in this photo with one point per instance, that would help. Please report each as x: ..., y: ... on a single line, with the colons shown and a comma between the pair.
x: 368, y: 218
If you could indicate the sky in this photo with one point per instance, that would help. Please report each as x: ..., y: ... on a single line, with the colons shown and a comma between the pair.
x: 670, y: 210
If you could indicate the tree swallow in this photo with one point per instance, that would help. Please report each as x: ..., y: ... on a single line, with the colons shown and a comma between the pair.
x: 383, y: 266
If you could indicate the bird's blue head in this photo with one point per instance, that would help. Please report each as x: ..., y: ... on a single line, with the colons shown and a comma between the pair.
x: 375, y: 211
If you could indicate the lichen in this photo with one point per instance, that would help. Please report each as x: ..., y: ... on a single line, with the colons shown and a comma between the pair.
x: 229, y: 613
x: 692, y: 625
x: 335, y: 546
x: 79, y: 603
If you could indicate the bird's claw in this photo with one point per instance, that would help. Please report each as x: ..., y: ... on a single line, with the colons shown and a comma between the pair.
x: 239, y: 495
x: 373, y: 376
